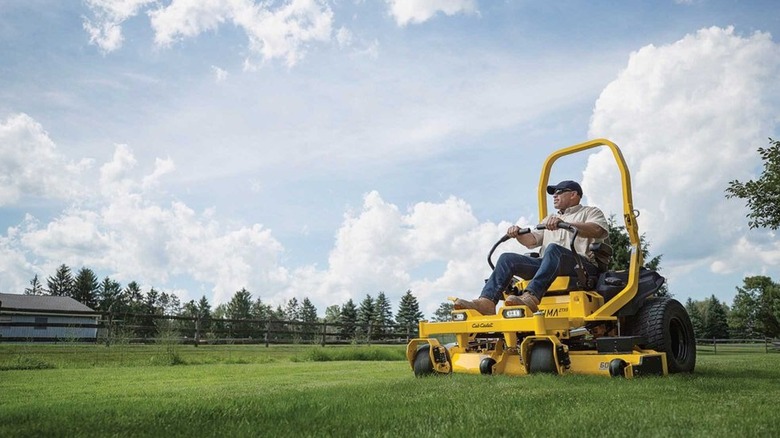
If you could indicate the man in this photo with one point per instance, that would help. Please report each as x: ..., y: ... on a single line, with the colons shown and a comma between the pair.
x: 556, y: 257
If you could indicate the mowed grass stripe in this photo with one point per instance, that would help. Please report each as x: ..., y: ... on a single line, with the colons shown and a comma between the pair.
x: 728, y: 396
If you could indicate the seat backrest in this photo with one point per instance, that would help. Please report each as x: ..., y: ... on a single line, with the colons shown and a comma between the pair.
x: 603, y: 253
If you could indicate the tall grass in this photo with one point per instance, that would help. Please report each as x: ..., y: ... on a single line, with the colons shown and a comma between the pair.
x: 727, y: 396
x: 15, y: 356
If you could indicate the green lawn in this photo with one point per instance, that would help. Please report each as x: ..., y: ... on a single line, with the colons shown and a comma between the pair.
x: 278, y: 392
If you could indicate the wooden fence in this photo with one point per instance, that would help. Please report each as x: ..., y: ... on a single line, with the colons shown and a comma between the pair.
x: 109, y: 328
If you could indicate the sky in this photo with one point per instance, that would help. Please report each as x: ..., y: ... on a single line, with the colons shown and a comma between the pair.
x: 334, y: 149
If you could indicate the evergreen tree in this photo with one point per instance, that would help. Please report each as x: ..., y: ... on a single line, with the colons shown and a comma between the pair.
x: 204, y: 312
x: 308, y: 311
x: 309, y: 318
x: 109, y: 293
x: 292, y: 311
x: 715, y: 321
x: 134, y: 298
x: 150, y: 308
x: 697, y: 320
x: 261, y: 310
x: 383, y: 317
x: 444, y: 312
x: 85, y: 288
x: 152, y: 302
x: 348, y: 320
x: 36, y: 288
x: 365, y: 315
x: 61, y: 284
x: 240, y: 308
x: 409, y: 314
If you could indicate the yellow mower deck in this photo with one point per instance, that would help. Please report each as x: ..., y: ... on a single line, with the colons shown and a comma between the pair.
x: 481, y: 337
x: 513, y: 341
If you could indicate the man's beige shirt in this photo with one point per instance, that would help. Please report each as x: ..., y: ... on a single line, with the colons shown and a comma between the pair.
x: 577, y: 213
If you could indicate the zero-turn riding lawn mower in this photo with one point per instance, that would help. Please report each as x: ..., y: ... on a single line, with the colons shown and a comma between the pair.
x: 611, y: 325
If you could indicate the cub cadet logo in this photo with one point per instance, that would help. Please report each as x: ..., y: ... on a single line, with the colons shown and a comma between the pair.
x: 603, y: 366
x: 482, y: 325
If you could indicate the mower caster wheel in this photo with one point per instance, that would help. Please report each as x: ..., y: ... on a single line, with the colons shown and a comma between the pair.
x: 486, y: 365
x: 542, y: 359
x: 617, y: 368
x: 423, y: 366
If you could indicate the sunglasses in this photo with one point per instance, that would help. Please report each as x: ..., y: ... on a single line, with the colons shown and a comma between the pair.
x: 561, y: 191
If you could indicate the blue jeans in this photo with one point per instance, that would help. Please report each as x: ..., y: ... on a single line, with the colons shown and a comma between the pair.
x: 557, y: 261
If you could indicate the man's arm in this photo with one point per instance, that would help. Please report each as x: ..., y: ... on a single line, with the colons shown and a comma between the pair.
x: 527, y: 239
x: 595, y: 229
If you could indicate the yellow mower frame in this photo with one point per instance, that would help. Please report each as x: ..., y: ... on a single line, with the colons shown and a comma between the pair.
x: 574, y: 331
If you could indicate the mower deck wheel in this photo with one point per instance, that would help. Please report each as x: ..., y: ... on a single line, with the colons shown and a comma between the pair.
x: 542, y: 359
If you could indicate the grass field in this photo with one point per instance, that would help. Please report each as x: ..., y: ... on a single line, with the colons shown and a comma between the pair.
x: 303, y: 391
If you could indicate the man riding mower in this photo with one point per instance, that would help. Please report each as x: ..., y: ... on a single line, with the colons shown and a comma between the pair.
x: 594, y: 321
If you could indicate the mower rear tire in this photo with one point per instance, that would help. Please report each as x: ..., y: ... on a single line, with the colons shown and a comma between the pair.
x: 666, y: 327
x: 542, y: 359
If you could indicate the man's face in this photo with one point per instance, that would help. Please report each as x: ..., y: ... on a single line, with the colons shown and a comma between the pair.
x: 565, y: 198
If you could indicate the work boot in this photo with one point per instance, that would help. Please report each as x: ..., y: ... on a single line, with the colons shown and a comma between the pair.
x: 526, y: 299
x: 482, y: 305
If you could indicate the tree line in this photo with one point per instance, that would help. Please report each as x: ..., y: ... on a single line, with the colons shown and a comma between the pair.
x: 241, y: 317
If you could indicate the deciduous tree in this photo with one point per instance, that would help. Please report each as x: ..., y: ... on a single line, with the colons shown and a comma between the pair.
x: 762, y: 195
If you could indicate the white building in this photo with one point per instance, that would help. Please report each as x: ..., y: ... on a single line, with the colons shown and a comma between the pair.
x: 35, y: 318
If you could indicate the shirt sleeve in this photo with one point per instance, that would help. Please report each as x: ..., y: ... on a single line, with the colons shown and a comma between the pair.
x: 596, y: 216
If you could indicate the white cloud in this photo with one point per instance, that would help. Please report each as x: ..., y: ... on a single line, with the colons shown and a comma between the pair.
x: 689, y: 117
x: 381, y: 248
x: 419, y: 11
x: 31, y: 165
x: 220, y: 75
x: 121, y: 230
x: 106, y: 32
x: 274, y: 33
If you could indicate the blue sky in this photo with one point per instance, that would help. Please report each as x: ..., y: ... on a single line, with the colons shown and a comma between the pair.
x: 338, y: 149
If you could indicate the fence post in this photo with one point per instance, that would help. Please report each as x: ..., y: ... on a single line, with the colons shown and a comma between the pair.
x: 197, y: 329
x: 267, y: 331
x: 714, y: 346
x: 108, y: 329
x: 368, y: 340
x: 324, y: 331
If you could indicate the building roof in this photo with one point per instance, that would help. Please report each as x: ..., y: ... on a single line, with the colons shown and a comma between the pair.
x: 42, y: 302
